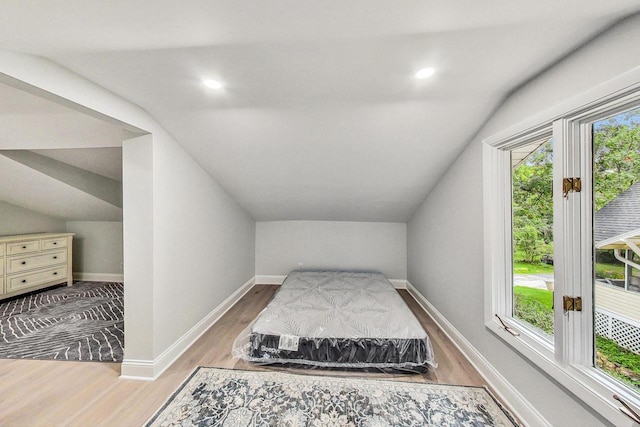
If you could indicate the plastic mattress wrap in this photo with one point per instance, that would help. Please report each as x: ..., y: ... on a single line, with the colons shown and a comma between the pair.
x: 337, y: 319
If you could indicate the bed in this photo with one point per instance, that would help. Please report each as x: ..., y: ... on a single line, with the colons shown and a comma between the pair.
x: 337, y: 319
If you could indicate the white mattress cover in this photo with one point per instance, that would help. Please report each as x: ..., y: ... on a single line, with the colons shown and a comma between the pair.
x: 338, y: 304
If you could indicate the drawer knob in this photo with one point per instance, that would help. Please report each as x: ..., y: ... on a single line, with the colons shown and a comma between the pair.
x: 55, y: 257
x: 23, y: 262
x: 24, y: 247
x: 55, y: 273
x: 55, y: 243
x: 24, y: 280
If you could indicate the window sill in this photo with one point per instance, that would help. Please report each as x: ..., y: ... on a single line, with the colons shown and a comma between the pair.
x: 589, y: 385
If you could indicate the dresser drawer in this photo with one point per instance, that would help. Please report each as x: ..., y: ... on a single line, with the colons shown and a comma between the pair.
x: 1, y: 266
x: 23, y: 247
x: 60, y: 242
x: 28, y: 280
x: 29, y: 262
x: 1, y: 249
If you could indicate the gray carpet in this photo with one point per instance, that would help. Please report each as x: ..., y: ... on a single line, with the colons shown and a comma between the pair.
x: 225, y: 397
x: 80, y: 322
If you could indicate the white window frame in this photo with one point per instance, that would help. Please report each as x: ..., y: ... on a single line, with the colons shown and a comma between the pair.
x: 569, y: 359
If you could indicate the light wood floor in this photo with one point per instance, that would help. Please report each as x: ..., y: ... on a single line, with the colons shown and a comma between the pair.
x: 56, y: 393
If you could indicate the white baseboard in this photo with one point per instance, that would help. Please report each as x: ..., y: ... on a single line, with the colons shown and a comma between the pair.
x: 270, y: 280
x: 149, y: 370
x: 141, y: 370
x: 98, y: 277
x: 499, y: 384
x: 277, y: 280
x: 398, y: 283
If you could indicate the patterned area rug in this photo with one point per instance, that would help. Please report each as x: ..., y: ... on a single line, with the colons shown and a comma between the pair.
x: 80, y: 322
x: 222, y: 397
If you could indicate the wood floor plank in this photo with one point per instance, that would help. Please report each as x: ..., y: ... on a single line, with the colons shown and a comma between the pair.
x: 57, y: 393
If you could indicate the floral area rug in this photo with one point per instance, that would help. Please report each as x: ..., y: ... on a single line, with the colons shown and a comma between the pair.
x: 227, y: 397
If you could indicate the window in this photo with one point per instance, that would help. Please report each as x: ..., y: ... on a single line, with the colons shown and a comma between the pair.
x: 532, y: 235
x: 562, y: 233
x: 616, y: 204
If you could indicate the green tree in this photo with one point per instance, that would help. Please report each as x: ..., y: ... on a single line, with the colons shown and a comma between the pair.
x: 533, y: 204
x: 616, y: 156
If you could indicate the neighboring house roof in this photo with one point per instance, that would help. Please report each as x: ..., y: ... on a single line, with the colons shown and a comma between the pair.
x: 619, y: 219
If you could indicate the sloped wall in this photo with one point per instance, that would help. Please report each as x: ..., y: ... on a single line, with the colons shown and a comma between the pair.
x: 204, y: 243
x: 445, y: 236
x: 17, y: 220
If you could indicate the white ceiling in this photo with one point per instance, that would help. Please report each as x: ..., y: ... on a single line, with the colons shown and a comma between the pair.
x: 320, y: 117
x: 30, y: 122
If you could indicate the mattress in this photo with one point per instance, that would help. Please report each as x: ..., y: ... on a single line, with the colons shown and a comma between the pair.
x: 338, y: 319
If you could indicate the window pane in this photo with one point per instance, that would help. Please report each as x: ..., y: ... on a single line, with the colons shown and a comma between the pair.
x: 616, y: 198
x: 532, y: 222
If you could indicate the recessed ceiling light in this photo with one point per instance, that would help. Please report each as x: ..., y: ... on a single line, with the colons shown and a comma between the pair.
x: 425, y: 73
x: 213, y: 84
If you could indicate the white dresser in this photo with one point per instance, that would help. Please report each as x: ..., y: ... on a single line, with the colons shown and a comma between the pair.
x: 30, y: 262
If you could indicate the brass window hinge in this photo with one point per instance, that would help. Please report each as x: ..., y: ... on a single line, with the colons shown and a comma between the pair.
x: 571, y: 184
x: 571, y: 303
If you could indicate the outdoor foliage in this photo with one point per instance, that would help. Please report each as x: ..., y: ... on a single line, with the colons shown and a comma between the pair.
x: 619, y: 356
x: 528, y: 268
x: 533, y: 206
x: 609, y: 271
x: 534, y: 306
x: 616, y: 153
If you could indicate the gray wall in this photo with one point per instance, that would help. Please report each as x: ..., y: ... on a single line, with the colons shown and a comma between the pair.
x: 97, y: 246
x: 281, y: 245
x: 137, y: 197
x: 203, y: 242
x: 187, y: 244
x: 17, y: 220
x: 445, y: 236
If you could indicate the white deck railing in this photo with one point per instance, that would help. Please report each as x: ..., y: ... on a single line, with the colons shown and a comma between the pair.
x: 621, y: 329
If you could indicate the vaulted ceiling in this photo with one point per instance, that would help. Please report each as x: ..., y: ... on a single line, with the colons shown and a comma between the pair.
x: 81, y: 181
x: 320, y: 116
